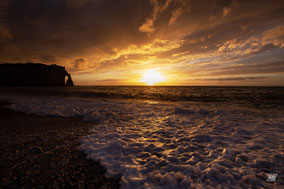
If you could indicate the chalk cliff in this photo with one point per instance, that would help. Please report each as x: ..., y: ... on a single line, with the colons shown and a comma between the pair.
x: 33, y: 74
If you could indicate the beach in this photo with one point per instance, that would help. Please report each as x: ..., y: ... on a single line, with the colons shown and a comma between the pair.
x: 41, y: 152
x: 145, y: 94
x: 210, y: 138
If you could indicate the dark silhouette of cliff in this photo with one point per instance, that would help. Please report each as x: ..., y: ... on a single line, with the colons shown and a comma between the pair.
x: 33, y: 74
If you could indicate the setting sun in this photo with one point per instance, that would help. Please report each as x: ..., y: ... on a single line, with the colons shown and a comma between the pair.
x: 151, y: 77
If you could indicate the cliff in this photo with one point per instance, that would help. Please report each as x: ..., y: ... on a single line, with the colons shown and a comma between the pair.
x: 33, y: 74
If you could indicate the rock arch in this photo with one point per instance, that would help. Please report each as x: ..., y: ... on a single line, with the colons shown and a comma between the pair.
x: 69, y: 81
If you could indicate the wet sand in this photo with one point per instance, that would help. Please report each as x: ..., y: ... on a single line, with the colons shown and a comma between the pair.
x: 41, y: 152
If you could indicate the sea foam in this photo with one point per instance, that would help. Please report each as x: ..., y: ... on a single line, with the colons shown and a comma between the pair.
x: 173, y: 145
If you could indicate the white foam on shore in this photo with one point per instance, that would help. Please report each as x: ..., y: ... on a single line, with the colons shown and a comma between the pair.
x: 174, y: 145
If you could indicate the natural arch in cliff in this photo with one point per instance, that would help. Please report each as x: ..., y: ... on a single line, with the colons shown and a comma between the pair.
x: 69, y: 81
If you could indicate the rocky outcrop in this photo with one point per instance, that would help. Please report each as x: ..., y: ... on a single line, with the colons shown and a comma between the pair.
x: 33, y: 74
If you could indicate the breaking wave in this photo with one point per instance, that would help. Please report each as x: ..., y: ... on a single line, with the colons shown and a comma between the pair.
x: 151, y: 144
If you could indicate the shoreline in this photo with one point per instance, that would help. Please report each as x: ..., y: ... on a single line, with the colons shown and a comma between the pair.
x: 181, y: 145
x: 41, y: 151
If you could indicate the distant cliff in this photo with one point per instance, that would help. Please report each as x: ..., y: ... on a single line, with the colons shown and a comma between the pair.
x: 33, y: 74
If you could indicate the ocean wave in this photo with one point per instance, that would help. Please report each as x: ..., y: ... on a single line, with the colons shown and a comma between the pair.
x: 152, y: 144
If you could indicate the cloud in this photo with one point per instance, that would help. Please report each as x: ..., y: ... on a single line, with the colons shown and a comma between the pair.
x: 182, y: 8
x: 148, y: 26
x: 227, y: 9
x: 4, y: 30
x: 158, y: 8
x: 263, y: 68
x: 78, y: 4
x: 80, y: 63
x: 237, y: 36
x: 274, y: 36
x: 41, y: 27
x: 233, y: 79
x: 93, y: 28
x: 173, y: 7
x: 190, y: 37
x: 137, y: 56
x: 48, y: 59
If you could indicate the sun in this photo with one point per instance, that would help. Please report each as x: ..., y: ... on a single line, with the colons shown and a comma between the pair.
x: 152, y: 76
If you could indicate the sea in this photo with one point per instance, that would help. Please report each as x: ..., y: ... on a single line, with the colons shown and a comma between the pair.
x: 269, y: 97
x: 172, y: 137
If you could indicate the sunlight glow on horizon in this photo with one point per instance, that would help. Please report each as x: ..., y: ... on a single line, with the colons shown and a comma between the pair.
x: 151, y: 77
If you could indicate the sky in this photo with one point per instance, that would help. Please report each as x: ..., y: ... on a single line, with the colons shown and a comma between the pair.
x: 119, y: 42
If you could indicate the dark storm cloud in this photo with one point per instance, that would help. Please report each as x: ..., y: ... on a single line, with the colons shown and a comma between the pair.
x: 71, y: 27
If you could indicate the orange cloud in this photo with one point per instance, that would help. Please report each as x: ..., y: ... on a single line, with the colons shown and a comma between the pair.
x: 148, y: 25
x: 274, y: 36
x: 183, y: 7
